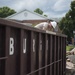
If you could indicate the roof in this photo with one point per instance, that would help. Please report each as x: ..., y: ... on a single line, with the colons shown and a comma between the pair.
x: 9, y: 17
x: 56, y: 19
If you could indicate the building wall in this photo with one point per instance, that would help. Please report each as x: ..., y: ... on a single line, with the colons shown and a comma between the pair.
x: 34, y: 22
x: 27, y: 15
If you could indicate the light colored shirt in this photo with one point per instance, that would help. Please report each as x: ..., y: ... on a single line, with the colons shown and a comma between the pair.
x: 43, y: 25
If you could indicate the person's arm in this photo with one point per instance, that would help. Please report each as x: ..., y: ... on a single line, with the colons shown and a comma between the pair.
x: 38, y: 26
x: 45, y: 26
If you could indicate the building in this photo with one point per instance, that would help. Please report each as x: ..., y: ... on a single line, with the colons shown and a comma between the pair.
x: 27, y: 16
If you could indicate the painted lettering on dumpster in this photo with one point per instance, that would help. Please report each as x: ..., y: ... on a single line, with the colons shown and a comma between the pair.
x: 11, y: 50
x: 24, y: 45
x: 33, y: 45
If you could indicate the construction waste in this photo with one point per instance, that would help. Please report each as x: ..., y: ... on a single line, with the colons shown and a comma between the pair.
x: 70, y: 62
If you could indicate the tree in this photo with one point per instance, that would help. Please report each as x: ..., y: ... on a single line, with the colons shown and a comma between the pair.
x: 6, y: 11
x: 67, y: 24
x: 45, y: 15
x: 39, y: 11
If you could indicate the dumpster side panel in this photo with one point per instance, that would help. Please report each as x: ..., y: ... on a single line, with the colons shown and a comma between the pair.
x: 2, y: 50
x: 27, y: 50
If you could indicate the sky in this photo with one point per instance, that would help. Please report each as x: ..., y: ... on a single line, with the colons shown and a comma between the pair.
x: 52, y: 8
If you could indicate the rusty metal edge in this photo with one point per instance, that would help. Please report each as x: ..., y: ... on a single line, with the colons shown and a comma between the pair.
x: 57, y: 34
x: 6, y: 22
x: 15, y: 24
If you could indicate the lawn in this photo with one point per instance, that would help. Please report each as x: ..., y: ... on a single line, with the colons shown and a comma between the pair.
x: 69, y: 47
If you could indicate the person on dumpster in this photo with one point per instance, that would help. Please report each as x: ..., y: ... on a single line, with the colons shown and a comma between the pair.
x: 49, y: 25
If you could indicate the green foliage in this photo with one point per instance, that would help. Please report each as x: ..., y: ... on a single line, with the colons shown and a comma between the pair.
x: 45, y: 15
x: 67, y: 24
x: 69, y: 48
x: 39, y: 11
x: 6, y: 11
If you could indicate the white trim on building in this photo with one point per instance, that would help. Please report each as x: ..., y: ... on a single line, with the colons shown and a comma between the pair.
x: 27, y: 15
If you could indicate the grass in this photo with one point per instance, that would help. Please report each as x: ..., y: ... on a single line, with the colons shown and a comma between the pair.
x: 68, y: 48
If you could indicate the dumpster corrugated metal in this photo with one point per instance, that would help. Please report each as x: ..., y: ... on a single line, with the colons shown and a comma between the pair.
x: 26, y: 50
